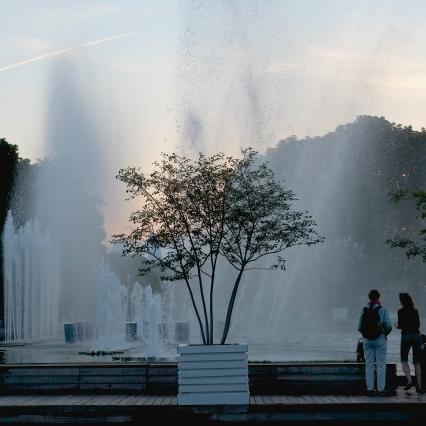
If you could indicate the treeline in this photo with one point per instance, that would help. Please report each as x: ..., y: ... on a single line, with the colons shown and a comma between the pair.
x: 346, y: 178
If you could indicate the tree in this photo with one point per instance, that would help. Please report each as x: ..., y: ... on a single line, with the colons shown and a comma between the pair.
x: 412, y: 248
x: 9, y: 159
x: 198, y: 213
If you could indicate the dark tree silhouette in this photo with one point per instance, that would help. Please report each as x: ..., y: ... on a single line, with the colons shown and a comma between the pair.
x: 196, y: 213
x: 9, y: 159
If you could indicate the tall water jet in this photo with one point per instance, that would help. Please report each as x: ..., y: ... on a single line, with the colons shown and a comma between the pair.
x: 68, y: 203
x: 55, y: 263
x: 154, y: 324
x: 31, y: 271
x: 138, y: 309
x: 112, y: 304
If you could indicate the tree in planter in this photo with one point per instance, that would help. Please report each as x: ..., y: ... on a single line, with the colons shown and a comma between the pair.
x: 412, y: 248
x: 217, y: 208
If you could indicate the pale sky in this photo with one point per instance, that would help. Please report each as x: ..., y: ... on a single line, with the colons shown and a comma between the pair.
x: 315, y: 63
x: 209, y: 74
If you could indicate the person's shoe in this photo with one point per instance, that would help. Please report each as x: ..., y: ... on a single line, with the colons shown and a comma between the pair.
x: 382, y: 393
x: 409, y: 386
x: 420, y: 391
x: 371, y: 392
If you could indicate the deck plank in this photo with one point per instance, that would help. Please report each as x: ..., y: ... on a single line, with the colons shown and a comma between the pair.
x: 125, y: 400
x: 276, y: 400
x: 327, y: 399
x: 41, y: 400
x: 158, y: 400
x: 104, y: 399
x: 267, y: 400
x: 91, y: 400
x: 264, y: 399
x: 149, y: 399
x: 132, y: 399
x: 11, y: 400
x: 119, y: 400
x: 302, y: 400
x: 169, y: 400
x: 292, y: 400
x: 311, y: 399
x: 87, y: 399
x: 111, y: 400
x: 140, y: 400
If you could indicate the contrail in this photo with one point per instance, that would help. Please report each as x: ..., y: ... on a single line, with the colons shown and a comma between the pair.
x: 60, y: 52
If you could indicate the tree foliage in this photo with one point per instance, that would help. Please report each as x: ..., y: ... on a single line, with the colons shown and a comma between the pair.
x: 412, y: 247
x: 9, y: 159
x: 197, y: 213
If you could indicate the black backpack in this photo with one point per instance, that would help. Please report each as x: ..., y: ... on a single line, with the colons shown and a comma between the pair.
x: 371, y: 327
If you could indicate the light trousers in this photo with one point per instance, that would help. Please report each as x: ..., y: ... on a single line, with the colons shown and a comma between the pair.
x: 375, y: 359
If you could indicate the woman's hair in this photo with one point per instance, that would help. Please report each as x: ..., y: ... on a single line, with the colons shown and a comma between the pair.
x: 406, y: 300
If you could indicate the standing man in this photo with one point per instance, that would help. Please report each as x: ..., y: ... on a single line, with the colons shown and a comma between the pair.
x: 375, y: 325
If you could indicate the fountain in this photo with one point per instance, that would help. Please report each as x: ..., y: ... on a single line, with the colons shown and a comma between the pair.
x: 112, y: 304
x: 154, y: 325
x: 146, y: 309
x: 31, y: 275
x: 242, y: 91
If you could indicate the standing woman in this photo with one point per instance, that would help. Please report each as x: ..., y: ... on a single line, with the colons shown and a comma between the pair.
x: 409, y: 323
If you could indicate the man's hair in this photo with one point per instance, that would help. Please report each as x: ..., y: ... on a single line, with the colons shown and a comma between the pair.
x: 373, y: 295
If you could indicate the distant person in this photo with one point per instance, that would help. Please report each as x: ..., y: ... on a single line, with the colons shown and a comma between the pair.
x: 375, y: 325
x: 409, y: 323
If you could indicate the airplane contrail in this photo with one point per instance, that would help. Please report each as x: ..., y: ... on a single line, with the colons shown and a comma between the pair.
x: 61, y: 51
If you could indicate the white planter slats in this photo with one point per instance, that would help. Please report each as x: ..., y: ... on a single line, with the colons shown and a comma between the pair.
x: 213, y: 375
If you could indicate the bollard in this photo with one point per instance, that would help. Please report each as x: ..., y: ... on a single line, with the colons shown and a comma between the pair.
x: 70, y: 333
x: 131, y: 331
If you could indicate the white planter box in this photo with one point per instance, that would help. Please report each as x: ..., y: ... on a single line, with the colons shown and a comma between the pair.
x: 213, y: 375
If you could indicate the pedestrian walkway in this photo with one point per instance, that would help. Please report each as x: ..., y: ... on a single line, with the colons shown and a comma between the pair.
x: 131, y: 408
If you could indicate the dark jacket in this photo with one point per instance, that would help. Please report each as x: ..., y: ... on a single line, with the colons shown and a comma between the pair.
x: 408, y: 321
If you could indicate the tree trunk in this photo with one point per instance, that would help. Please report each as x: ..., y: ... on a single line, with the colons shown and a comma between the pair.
x: 231, y: 307
x: 203, y: 300
x: 194, y: 305
x: 211, y: 309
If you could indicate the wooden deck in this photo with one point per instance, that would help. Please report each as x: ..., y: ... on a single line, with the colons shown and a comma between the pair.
x: 134, y: 393
x: 133, y: 408
x: 116, y: 400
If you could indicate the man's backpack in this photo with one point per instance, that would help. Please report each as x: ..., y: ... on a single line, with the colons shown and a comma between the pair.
x: 371, y: 328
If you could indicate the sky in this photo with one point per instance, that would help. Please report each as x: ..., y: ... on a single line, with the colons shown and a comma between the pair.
x: 120, y: 69
x: 194, y: 75
x: 316, y: 63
